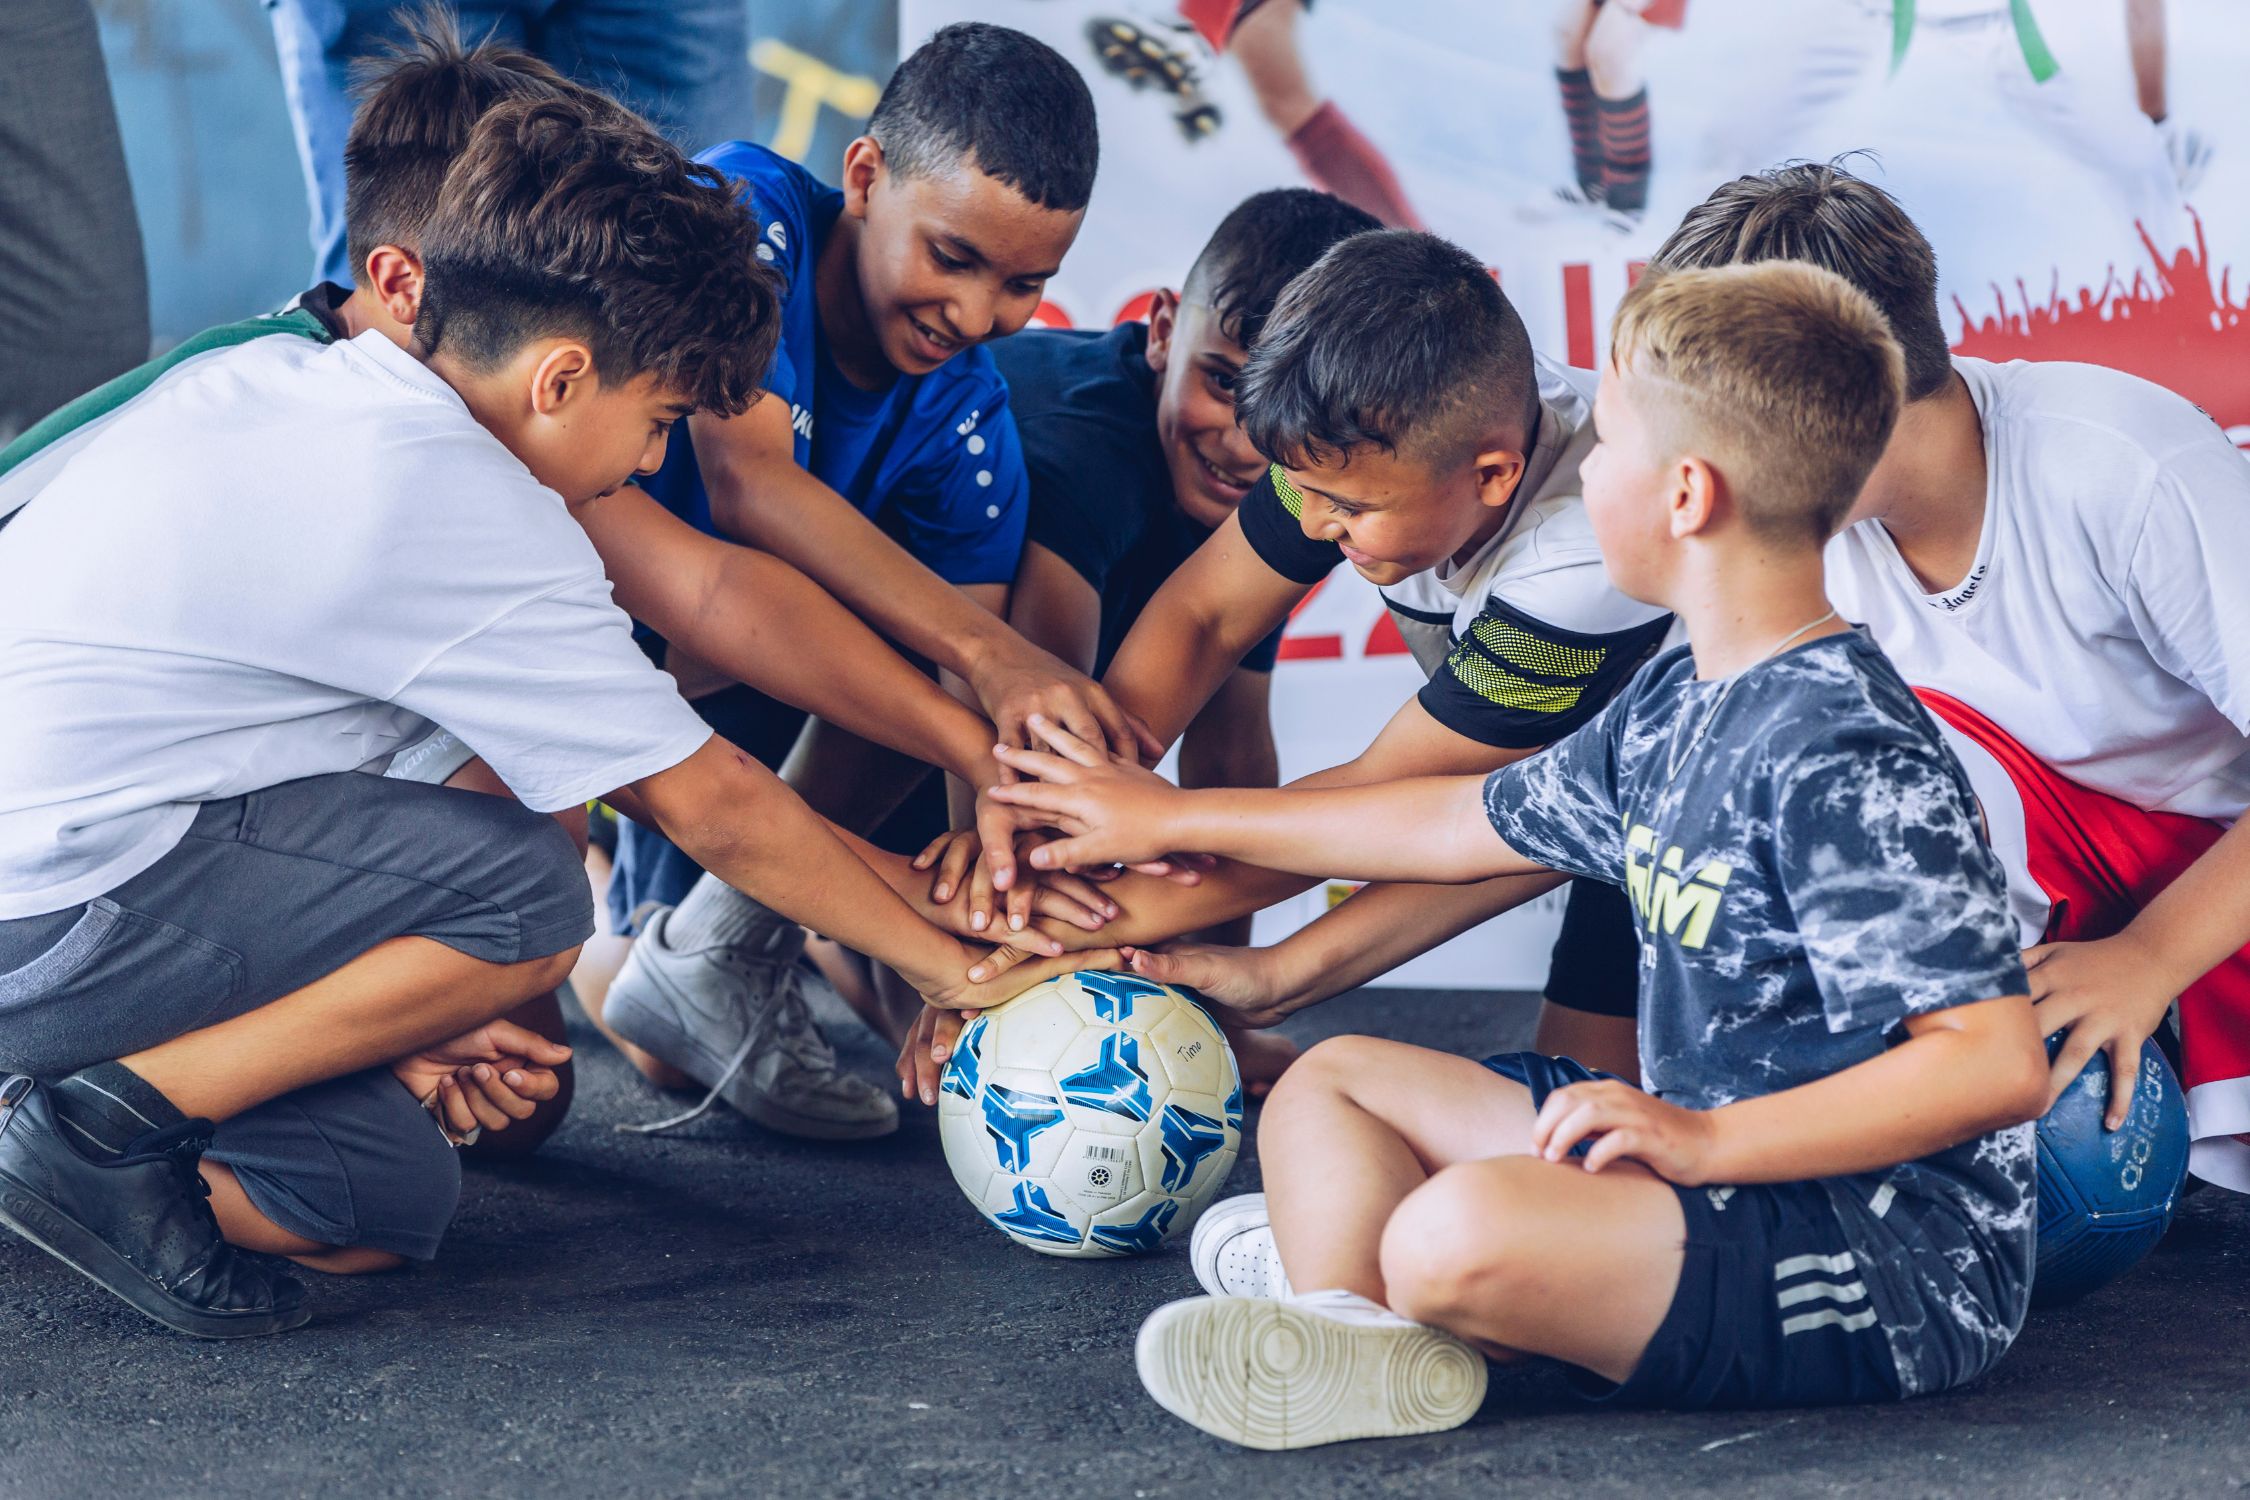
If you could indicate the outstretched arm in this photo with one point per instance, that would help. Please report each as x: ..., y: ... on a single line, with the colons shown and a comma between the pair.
x: 1429, y: 829
x: 1960, y: 1073
x: 760, y: 496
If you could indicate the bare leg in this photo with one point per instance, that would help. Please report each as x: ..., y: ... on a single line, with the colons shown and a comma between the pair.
x: 1613, y: 52
x: 2144, y: 38
x: 1355, y: 1128
x: 390, y: 1002
x: 242, y: 1224
x: 1515, y: 1254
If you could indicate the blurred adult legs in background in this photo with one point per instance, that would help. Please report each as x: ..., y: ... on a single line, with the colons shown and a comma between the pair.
x: 684, y: 64
x: 73, y: 287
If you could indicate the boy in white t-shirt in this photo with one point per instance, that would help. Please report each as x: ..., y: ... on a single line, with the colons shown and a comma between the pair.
x: 265, y: 579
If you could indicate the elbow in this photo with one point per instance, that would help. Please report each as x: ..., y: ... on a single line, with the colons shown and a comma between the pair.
x: 2016, y: 1086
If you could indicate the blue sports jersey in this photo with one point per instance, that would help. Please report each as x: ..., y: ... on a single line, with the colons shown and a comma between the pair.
x: 933, y: 460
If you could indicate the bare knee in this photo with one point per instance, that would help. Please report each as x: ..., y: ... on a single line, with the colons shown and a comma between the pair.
x: 1462, y: 1244
x: 1321, y: 1076
x: 543, y: 976
x: 1572, y: 23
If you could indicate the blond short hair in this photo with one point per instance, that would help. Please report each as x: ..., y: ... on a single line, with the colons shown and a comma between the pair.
x: 1783, y: 375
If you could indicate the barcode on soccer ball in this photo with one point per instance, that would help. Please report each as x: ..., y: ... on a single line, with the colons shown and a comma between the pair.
x: 1109, y: 1153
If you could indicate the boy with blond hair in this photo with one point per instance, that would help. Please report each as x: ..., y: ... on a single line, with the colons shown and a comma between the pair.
x: 1825, y: 1191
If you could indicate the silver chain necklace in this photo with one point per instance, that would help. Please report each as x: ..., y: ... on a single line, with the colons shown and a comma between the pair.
x: 1680, y: 756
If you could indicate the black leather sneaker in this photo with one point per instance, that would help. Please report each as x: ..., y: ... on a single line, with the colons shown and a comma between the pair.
x: 139, y: 1226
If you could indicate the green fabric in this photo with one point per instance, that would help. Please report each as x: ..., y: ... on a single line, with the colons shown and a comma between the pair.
x: 104, y: 399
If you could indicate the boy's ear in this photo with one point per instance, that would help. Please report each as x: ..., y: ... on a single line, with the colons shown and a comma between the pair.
x: 394, y: 279
x: 1692, y: 497
x: 1499, y: 471
x: 863, y: 167
x: 1163, y: 322
x: 562, y: 377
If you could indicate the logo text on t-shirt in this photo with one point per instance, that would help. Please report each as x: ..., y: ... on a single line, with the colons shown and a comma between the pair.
x: 1681, y: 906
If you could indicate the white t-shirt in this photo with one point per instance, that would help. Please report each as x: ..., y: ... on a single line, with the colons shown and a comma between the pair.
x: 2105, y: 623
x: 285, y: 560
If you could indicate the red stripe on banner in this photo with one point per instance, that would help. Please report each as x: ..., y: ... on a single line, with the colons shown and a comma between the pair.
x: 1633, y: 269
x: 1384, y: 639
x: 1135, y: 309
x: 1310, y: 647
x: 1578, y: 315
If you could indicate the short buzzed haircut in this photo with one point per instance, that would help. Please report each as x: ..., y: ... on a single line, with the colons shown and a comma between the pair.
x: 1394, y: 340
x: 1007, y: 102
x: 418, y: 103
x: 1783, y: 375
x: 1820, y: 213
x: 561, y: 220
x: 1267, y: 242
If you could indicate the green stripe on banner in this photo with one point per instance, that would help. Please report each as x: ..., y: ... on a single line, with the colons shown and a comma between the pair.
x: 2029, y: 39
x: 2035, y: 54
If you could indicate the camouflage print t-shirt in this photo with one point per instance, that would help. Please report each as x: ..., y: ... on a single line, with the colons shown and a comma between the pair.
x: 1808, y: 873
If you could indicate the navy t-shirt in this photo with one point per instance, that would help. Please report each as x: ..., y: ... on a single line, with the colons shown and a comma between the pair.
x: 1810, y: 875
x: 1101, y: 497
x: 932, y: 459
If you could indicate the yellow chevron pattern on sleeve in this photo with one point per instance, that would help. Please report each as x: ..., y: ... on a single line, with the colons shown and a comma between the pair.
x: 1503, y: 687
x: 1292, y: 498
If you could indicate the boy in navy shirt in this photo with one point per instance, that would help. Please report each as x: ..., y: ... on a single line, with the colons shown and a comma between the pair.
x: 882, y: 462
x: 1825, y: 1193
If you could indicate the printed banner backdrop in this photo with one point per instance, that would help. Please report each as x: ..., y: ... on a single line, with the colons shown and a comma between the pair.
x: 2067, y: 224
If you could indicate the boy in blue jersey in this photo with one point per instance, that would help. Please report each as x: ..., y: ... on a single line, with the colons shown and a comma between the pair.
x: 884, y: 463
x: 1825, y: 1192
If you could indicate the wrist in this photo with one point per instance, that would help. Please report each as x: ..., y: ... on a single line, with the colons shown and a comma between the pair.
x: 2163, y: 961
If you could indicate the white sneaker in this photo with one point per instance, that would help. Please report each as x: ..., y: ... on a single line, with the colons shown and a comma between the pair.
x: 2188, y: 149
x: 735, y: 1020
x: 1232, y: 1250
x: 1322, y: 1369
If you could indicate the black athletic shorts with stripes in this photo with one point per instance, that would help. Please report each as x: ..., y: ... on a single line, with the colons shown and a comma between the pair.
x: 1770, y: 1309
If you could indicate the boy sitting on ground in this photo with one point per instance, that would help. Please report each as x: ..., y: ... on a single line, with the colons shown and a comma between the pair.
x: 1825, y: 1193
x: 262, y: 581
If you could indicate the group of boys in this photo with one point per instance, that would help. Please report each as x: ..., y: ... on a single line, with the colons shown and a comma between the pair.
x: 441, y: 527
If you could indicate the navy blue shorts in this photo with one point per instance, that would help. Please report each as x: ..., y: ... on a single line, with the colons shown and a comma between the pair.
x: 1770, y: 1310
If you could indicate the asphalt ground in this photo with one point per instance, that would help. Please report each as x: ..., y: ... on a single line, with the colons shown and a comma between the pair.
x: 729, y: 1312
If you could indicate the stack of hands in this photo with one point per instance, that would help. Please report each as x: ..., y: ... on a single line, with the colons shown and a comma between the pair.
x: 1069, y: 818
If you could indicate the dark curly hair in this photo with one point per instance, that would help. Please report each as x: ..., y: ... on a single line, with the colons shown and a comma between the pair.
x: 1009, y: 102
x: 562, y: 220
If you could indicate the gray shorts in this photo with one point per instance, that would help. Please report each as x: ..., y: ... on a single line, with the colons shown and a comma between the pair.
x: 263, y: 895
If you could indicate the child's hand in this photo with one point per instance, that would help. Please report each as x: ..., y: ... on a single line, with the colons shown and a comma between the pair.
x: 1112, y: 812
x: 490, y: 1077
x: 929, y: 1042
x: 1240, y: 979
x: 962, y: 884
x: 2110, y: 995
x: 1624, y: 1124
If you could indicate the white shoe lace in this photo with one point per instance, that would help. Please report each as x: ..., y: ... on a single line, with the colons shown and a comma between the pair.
x: 787, y: 1024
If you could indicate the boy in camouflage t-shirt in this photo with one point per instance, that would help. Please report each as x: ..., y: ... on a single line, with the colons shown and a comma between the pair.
x: 1825, y: 1192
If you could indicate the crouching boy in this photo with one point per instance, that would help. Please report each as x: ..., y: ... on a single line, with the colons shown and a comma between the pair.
x: 1825, y: 1191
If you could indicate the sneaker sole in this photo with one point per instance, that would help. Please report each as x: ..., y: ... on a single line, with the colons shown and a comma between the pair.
x: 1268, y: 1376
x: 90, y: 1256
x: 654, y: 1032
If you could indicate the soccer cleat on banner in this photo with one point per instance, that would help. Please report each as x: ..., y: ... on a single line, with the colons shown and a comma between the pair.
x: 1232, y: 1250
x: 736, y: 1022
x: 1325, y: 1368
x: 1131, y: 52
x: 2188, y: 149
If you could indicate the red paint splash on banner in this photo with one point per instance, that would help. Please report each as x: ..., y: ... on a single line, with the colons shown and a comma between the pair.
x: 2172, y: 324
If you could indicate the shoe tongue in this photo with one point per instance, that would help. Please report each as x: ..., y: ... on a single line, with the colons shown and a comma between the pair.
x: 192, y: 1135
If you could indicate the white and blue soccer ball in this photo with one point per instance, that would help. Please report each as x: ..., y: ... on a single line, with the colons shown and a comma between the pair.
x: 1092, y: 1115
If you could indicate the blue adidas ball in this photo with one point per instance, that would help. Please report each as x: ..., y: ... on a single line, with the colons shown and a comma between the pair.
x: 2106, y: 1196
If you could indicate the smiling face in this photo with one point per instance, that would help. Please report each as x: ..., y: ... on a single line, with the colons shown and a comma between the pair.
x: 1395, y: 516
x: 946, y: 260
x: 1212, y: 463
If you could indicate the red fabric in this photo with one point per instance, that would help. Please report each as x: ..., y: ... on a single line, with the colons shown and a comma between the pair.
x: 2100, y: 860
x: 1340, y: 160
x: 1670, y: 14
x: 1214, y: 18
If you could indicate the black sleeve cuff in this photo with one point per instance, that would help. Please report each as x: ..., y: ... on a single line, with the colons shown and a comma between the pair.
x: 1269, y: 523
x: 1515, y: 682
